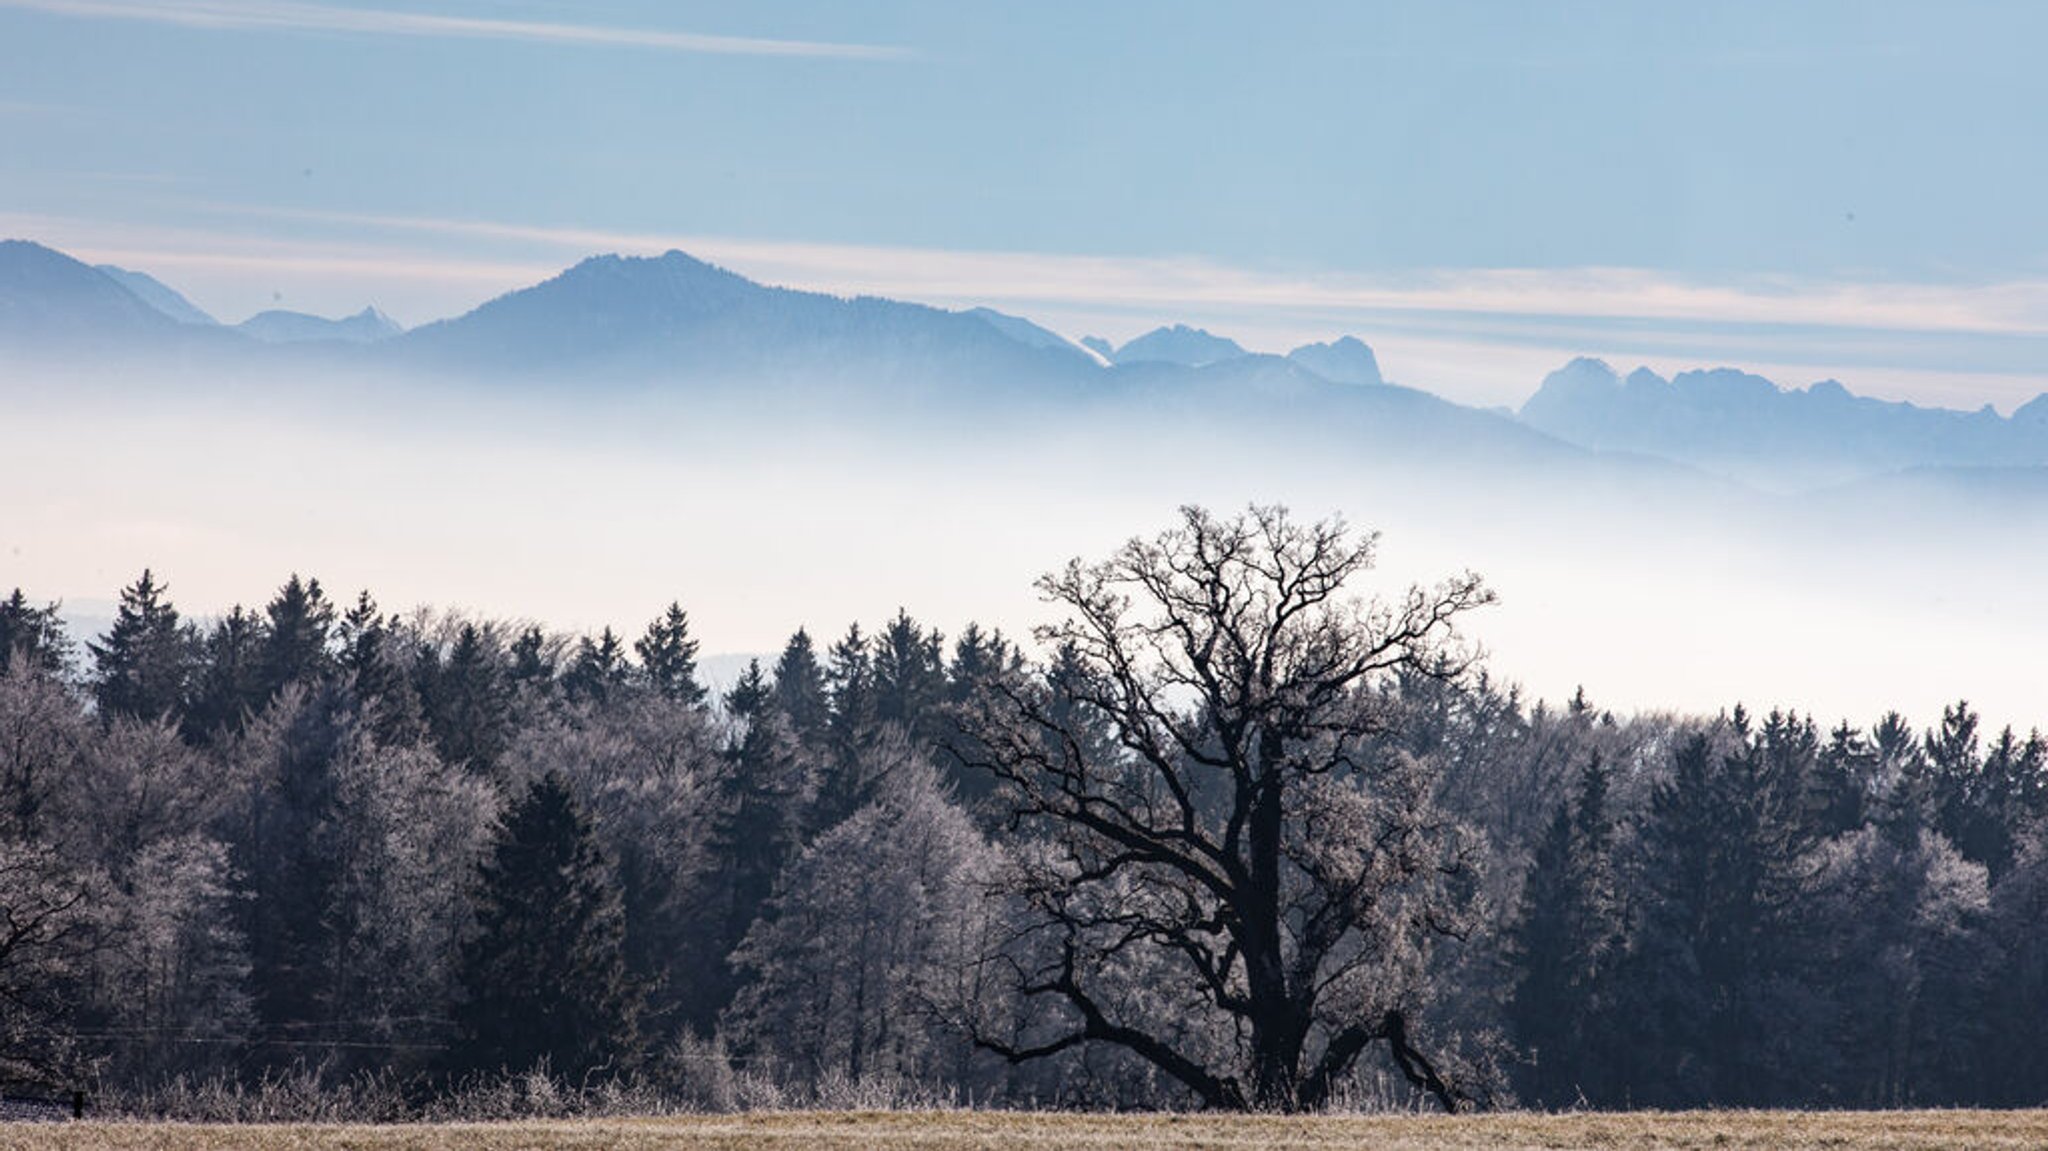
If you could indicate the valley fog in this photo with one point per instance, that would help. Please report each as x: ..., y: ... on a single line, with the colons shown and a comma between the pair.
x: 578, y: 506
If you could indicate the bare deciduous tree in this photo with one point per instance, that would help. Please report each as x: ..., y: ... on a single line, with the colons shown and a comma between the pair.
x: 1240, y: 886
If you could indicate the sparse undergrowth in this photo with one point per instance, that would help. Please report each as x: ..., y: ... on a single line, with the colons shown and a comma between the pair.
x: 981, y: 1131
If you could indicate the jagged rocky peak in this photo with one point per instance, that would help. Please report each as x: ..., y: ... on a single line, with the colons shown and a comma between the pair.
x: 1583, y: 378
x: 1346, y: 360
x: 1726, y: 384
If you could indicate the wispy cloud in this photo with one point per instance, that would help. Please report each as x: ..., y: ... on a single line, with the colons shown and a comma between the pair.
x: 287, y: 15
x: 1136, y: 283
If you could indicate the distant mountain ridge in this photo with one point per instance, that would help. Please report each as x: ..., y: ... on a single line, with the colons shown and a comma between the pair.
x: 282, y: 327
x: 52, y: 302
x: 48, y: 297
x: 673, y: 321
x: 1745, y: 425
x: 674, y: 315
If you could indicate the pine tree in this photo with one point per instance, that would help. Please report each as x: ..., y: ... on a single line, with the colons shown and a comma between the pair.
x: 909, y: 678
x: 372, y: 656
x: 1566, y: 942
x: 850, y: 685
x: 142, y: 665
x: 762, y: 796
x: 229, y: 684
x: 295, y: 641
x: 545, y: 974
x: 533, y: 662
x: 800, y: 688
x: 466, y: 700
x: 668, y: 658
x: 599, y: 670
x: 33, y: 635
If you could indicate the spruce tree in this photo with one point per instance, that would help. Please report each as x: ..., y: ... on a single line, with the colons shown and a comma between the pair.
x: 229, y: 684
x: 544, y: 977
x: 373, y: 658
x: 668, y: 658
x: 909, y: 678
x: 598, y: 670
x: 800, y: 688
x: 141, y: 666
x: 299, y: 621
x: 467, y: 702
x: 33, y: 635
x: 1566, y: 942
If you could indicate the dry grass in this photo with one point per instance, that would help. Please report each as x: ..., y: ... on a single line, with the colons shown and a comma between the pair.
x: 987, y: 1131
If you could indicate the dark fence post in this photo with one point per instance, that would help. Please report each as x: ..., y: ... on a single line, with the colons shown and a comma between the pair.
x: 78, y: 1104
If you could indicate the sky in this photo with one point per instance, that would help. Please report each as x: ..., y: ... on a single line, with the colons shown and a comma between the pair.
x: 1479, y: 190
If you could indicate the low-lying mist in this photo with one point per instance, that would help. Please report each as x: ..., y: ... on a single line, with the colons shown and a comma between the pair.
x: 578, y: 504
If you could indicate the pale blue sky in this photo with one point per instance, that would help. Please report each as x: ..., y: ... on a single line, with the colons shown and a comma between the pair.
x: 1477, y: 189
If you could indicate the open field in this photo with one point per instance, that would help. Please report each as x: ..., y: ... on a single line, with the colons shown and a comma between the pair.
x: 988, y: 1131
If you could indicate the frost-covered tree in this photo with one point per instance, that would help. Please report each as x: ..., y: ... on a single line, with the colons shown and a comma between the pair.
x: 647, y: 773
x: 46, y: 937
x: 172, y: 970
x: 44, y: 734
x: 852, y: 973
x: 1248, y: 836
x: 408, y: 833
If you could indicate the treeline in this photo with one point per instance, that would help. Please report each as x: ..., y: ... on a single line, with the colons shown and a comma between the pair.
x: 324, y: 835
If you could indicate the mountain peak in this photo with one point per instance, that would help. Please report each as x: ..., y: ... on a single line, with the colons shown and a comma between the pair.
x: 47, y: 295
x: 1179, y: 344
x: 1347, y: 360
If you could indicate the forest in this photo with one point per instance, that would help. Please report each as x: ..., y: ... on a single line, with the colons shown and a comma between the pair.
x: 1241, y: 832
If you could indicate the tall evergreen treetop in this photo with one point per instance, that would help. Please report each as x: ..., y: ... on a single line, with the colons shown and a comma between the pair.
x: 229, y: 687
x: 800, y: 687
x: 300, y: 620
x: 599, y: 669
x: 34, y: 635
x: 668, y: 657
x: 142, y: 665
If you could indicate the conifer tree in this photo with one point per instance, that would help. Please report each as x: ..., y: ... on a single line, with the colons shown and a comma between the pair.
x: 800, y: 688
x: 372, y: 656
x: 142, y: 665
x: 545, y: 974
x: 229, y: 684
x: 33, y: 635
x: 1566, y: 943
x: 299, y: 621
x: 467, y: 703
x: 668, y: 658
x: 909, y: 678
x: 599, y: 669
x: 533, y: 663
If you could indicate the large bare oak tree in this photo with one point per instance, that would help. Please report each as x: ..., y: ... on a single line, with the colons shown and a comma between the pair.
x: 1227, y: 871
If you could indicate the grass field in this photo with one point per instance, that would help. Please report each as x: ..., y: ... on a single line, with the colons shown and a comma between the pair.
x: 975, y: 1131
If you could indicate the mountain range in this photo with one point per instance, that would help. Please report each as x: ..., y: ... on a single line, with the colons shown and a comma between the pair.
x: 673, y: 321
